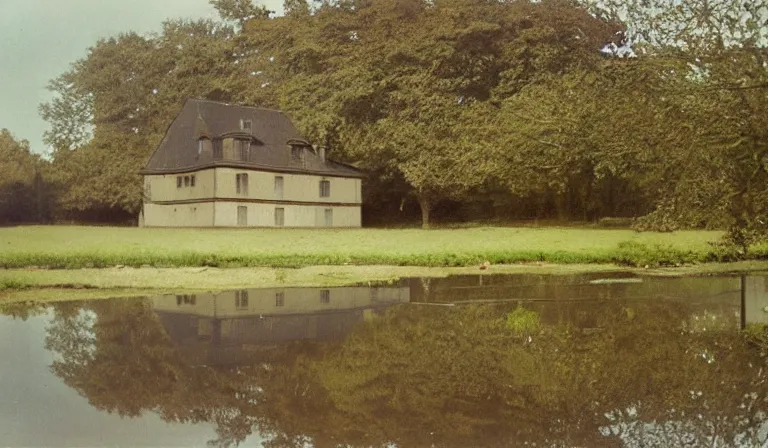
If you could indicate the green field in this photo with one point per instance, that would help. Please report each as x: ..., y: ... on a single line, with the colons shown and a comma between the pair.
x: 70, y: 247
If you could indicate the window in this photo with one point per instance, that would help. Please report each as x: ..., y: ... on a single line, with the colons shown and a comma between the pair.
x: 246, y: 125
x: 279, y: 187
x: 186, y: 300
x: 199, y: 146
x: 279, y: 217
x: 218, y: 150
x: 192, y: 180
x: 325, y: 296
x: 242, y: 149
x: 279, y: 299
x: 178, y: 181
x: 325, y: 188
x: 241, y: 299
x: 242, y: 216
x: 186, y: 181
x: 328, y: 217
x: 241, y: 181
x: 296, y: 153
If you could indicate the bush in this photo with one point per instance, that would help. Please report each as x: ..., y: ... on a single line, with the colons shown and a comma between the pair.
x: 523, y: 322
x: 12, y: 284
x: 636, y: 254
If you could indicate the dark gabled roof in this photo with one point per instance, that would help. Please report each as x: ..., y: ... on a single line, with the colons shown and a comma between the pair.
x: 270, y: 149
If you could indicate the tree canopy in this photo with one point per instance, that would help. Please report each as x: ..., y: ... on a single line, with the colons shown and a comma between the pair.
x: 457, y: 109
x: 21, y: 184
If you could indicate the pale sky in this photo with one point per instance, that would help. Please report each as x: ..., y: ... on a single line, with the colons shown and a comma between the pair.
x: 39, y: 39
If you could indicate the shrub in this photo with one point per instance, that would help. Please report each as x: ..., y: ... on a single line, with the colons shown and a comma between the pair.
x: 523, y: 322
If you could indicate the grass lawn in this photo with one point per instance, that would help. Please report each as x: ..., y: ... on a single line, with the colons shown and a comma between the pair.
x: 70, y: 247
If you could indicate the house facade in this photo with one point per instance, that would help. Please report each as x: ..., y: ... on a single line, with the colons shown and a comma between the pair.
x: 222, y: 165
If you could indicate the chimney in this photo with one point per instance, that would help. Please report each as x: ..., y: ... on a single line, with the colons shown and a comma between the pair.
x: 320, y: 151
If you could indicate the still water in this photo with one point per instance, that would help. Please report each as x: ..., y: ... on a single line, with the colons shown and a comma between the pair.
x: 473, y: 361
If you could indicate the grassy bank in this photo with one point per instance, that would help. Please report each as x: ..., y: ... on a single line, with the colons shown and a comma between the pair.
x: 64, y: 284
x: 71, y: 247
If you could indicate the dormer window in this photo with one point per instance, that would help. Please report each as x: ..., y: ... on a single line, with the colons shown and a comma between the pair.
x: 296, y: 153
x: 246, y: 125
x: 204, y: 148
x: 242, y: 149
x: 218, y: 150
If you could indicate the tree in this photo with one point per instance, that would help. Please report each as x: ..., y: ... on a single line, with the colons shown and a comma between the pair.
x: 103, y: 135
x: 22, y: 196
x: 69, y: 114
x: 722, y: 48
x: 240, y: 11
x: 403, y: 86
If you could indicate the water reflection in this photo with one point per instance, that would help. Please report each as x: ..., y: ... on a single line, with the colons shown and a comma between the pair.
x: 243, y: 326
x: 754, y: 300
x: 497, y: 361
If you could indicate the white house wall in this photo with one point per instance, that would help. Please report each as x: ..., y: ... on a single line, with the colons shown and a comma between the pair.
x: 199, y: 214
x: 202, y: 205
x: 263, y: 215
x: 296, y: 187
x: 162, y: 188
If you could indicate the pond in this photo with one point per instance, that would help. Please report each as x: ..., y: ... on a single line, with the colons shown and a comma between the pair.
x: 482, y: 361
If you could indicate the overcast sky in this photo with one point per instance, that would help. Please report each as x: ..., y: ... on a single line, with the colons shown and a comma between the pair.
x: 39, y: 39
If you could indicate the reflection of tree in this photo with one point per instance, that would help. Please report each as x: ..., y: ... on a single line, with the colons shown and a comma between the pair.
x: 117, y: 355
x: 21, y: 310
x: 118, y: 346
x: 596, y: 374
x: 555, y: 387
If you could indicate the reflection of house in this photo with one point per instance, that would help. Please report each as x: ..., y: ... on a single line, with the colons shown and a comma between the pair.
x: 226, y: 165
x: 754, y: 305
x: 238, y: 326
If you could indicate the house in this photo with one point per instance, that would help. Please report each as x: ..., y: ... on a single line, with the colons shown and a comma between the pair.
x: 223, y: 165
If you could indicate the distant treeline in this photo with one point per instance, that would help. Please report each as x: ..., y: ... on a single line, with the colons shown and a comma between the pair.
x: 458, y: 109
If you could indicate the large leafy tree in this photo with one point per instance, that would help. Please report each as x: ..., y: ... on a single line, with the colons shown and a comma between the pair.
x: 22, y: 191
x: 717, y: 51
x: 602, y: 141
x: 110, y: 110
x: 402, y: 86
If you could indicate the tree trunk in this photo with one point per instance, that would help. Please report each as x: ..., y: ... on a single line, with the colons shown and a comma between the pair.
x: 425, y: 208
